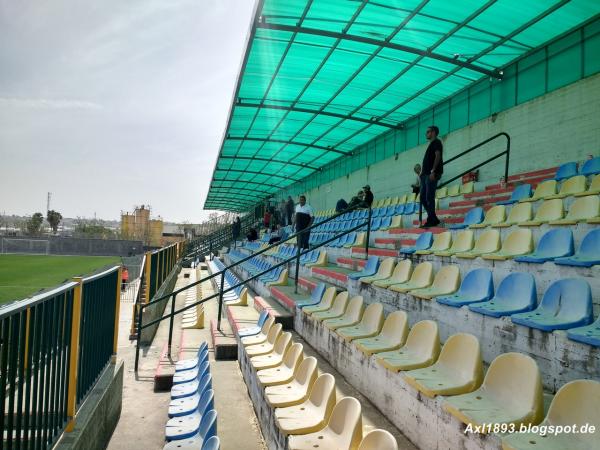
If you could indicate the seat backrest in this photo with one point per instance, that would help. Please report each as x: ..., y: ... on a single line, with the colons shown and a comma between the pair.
x: 488, y: 241
x: 402, y: 199
x: 518, y: 242
x: 590, y: 245
x: 346, y: 422
x: 544, y: 189
x: 282, y: 343
x: 208, y: 425
x: 476, y: 283
x: 424, y: 241
x: 514, y: 380
x: 585, y: 207
x: 566, y: 170
x: 317, y: 292
x: 453, y: 190
x: 339, y: 304
x: 372, y: 264
x: 595, y: 184
x: 378, y: 440
x: 355, y: 308
x: 576, y: 403
x: 556, y: 242
x: 306, y: 372
x: 517, y: 287
x: 274, y: 333
x: 268, y: 322
x: 423, y: 337
x: 520, y: 192
x: 550, y: 210
x: 441, y: 241
x: 410, y: 198
x: 423, y: 274
x: 213, y: 443
x: 395, y: 328
x: 207, y: 401
x: 496, y: 214
x: 372, y: 318
x: 322, y: 393
x: 205, y: 383
x: 447, y: 277
x: 464, y: 241
x: 474, y: 215
x: 461, y: 354
x: 402, y: 271
x: 591, y: 166
x: 293, y: 355
x: 520, y: 212
x: 568, y: 298
x: 386, y: 267
x: 441, y: 192
x: 573, y: 185
x: 467, y: 188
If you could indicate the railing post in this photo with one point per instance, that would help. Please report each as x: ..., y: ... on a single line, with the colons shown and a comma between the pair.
x: 171, y: 323
x: 420, y: 212
x: 74, y: 354
x: 507, y: 159
x: 221, y: 299
x: 139, y: 337
x: 146, y: 279
x: 297, y: 267
x: 368, y: 234
x: 113, y: 359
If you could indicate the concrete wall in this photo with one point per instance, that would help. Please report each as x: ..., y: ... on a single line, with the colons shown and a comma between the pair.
x: 557, y: 127
x: 55, y: 245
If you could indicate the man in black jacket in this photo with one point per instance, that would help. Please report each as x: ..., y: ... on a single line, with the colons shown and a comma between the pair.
x: 368, y: 196
x: 431, y: 171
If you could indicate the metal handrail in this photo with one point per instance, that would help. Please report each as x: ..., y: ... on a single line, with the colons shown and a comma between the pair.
x: 171, y: 315
x: 487, y: 161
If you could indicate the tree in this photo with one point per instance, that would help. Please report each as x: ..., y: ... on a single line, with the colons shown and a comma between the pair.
x: 54, y: 218
x: 34, y: 224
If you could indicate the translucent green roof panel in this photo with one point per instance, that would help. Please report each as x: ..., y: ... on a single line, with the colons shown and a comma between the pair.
x: 321, y: 77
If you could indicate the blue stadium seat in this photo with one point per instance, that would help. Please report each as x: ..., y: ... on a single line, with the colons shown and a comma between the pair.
x: 315, y: 296
x: 208, y: 429
x: 186, y: 364
x: 187, y: 376
x: 423, y: 242
x: 567, y: 303
x: 375, y: 224
x: 251, y: 331
x: 591, y: 166
x: 588, y: 253
x: 516, y: 293
x: 385, y: 222
x: 370, y: 269
x: 390, y: 211
x: 410, y: 208
x: 212, y: 443
x: 566, y: 170
x: 589, y: 334
x: 473, y: 216
x: 555, y: 243
x: 477, y: 286
x: 519, y: 193
x: 399, y: 209
x: 183, y: 427
x: 187, y: 405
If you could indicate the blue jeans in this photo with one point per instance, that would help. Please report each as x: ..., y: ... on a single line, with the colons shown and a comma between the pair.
x: 428, y: 188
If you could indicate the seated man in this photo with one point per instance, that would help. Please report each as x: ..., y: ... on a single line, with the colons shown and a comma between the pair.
x: 252, y: 235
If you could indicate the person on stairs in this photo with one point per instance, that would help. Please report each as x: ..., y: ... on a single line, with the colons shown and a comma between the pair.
x: 431, y: 171
x: 304, y: 219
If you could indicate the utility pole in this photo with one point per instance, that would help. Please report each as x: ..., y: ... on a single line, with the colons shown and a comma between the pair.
x: 48, y: 203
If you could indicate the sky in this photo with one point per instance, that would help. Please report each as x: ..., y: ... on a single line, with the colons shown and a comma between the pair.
x: 115, y: 103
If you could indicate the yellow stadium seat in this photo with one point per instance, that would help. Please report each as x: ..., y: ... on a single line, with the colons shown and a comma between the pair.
x: 284, y: 372
x: 395, y: 200
x: 274, y: 357
x: 453, y: 191
x: 351, y: 316
x: 543, y: 190
x: 447, y: 281
x: 511, y: 393
x: 520, y: 212
x: 575, y: 403
x: 463, y: 243
x: 321, y: 260
x: 458, y: 370
x: 312, y: 414
x: 441, y: 192
x: 549, y: 210
x: 393, y: 335
x: 325, y: 303
x: 387, y: 201
x: 343, y: 431
x: 421, y: 349
x: 421, y: 277
x: 262, y: 336
x: 400, y: 274
x: 281, y: 281
x: 384, y: 271
x: 519, y: 242
x: 593, y: 189
x: 337, y: 309
x: 582, y: 209
x: 441, y: 242
x: 297, y: 390
x: 572, y: 186
x: 496, y: 214
x: 359, y: 242
x: 467, y: 188
x: 487, y: 242
x: 411, y: 198
x: 267, y: 346
x: 402, y: 199
x: 369, y: 325
x: 378, y: 440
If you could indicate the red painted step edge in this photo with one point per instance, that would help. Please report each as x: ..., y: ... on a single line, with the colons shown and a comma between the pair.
x: 352, y: 262
x: 331, y: 274
x: 376, y: 251
x: 416, y: 230
x: 260, y: 305
x: 306, y: 283
x: 395, y: 241
x: 282, y: 298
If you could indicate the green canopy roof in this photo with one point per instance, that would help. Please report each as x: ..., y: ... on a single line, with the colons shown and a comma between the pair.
x: 321, y: 77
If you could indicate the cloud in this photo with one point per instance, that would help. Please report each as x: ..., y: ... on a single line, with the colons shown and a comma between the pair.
x: 46, y: 103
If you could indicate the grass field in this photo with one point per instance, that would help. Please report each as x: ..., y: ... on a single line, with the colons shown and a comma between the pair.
x: 23, y: 275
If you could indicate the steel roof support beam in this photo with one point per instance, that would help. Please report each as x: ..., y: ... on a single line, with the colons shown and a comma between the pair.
x: 379, y: 43
x: 219, y: 190
x: 284, y: 141
x: 235, y: 195
x: 245, y: 181
x: 254, y: 158
x: 253, y: 172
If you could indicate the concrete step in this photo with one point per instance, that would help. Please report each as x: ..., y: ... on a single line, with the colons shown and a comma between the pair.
x: 445, y: 220
x: 373, y: 251
x: 393, y: 243
x: 351, y: 263
x: 486, y: 202
x: 337, y: 276
x: 276, y: 309
x: 223, y: 340
x: 534, y: 180
x: 416, y: 230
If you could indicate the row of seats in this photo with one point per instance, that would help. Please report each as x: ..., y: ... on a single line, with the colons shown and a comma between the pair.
x: 306, y: 407
x: 274, y: 276
x: 552, y: 212
x: 516, y: 296
x: 510, y: 392
x: 555, y: 245
x: 351, y: 239
x: 311, y: 259
x: 569, y: 169
x: 192, y: 421
x: 236, y: 297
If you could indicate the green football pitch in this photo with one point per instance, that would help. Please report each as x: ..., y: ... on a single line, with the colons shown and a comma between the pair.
x: 23, y: 275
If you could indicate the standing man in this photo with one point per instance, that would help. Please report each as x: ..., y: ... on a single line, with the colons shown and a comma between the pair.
x: 236, y: 229
x: 282, y: 213
x: 304, y: 219
x: 431, y: 171
x: 368, y: 201
x: 289, y: 209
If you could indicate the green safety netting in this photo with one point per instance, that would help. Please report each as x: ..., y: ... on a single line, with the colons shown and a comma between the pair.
x: 322, y: 77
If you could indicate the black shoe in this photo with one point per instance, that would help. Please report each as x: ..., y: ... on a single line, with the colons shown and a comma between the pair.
x: 426, y: 225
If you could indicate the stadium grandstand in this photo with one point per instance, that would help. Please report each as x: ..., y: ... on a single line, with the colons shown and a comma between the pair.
x: 369, y: 325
